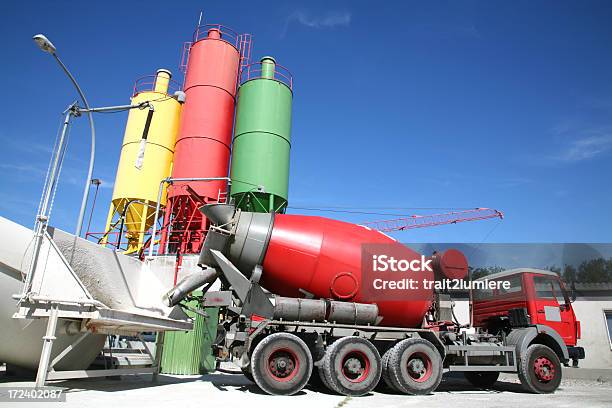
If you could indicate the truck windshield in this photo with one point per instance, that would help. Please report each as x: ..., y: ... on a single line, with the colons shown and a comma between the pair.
x: 516, y: 286
x: 548, y: 288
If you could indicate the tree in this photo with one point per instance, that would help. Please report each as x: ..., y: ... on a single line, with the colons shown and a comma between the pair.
x: 569, y: 273
x: 596, y: 270
x: 479, y: 272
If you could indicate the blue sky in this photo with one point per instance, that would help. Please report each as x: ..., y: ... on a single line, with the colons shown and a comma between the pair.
x: 397, y: 106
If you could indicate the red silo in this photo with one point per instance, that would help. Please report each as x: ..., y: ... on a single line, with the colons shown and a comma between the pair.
x: 202, y: 147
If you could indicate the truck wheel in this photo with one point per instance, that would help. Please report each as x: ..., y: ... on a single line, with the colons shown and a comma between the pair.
x: 415, y: 366
x: 281, y: 364
x: 540, y: 369
x: 386, y: 375
x: 352, y: 366
x: 482, y: 379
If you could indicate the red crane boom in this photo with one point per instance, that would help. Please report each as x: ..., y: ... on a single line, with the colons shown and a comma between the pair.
x: 421, y: 221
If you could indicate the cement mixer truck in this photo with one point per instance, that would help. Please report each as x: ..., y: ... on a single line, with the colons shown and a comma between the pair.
x: 306, y: 298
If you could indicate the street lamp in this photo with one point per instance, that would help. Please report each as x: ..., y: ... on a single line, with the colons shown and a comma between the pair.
x: 94, y: 182
x: 44, y: 43
x: 47, y: 46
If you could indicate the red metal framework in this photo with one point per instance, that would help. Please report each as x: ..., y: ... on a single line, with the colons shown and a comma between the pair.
x: 147, y: 84
x: 255, y: 71
x: 422, y: 221
x: 184, y: 227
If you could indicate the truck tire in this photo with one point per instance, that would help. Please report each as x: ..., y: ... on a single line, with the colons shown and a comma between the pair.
x: 540, y: 369
x: 323, y: 380
x: 482, y: 379
x: 415, y: 367
x: 386, y: 375
x: 281, y: 364
x: 351, y: 366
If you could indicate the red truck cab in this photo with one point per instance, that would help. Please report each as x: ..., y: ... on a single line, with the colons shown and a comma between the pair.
x: 540, y: 293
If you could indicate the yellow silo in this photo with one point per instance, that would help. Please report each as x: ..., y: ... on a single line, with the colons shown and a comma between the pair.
x: 146, y: 159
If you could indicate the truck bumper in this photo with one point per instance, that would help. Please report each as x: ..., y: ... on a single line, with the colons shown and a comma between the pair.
x: 575, y: 354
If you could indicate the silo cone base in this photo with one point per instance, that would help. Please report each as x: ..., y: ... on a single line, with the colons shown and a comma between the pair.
x: 260, y: 202
x: 190, y: 352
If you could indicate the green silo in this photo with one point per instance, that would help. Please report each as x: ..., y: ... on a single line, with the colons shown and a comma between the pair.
x: 262, y: 138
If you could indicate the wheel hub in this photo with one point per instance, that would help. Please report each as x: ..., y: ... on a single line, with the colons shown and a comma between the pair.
x: 419, y: 367
x: 355, y: 366
x: 416, y: 366
x: 544, y: 369
x: 281, y: 364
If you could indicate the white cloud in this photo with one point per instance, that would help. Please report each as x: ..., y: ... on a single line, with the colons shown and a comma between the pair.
x: 585, y: 148
x: 23, y: 168
x: 329, y: 19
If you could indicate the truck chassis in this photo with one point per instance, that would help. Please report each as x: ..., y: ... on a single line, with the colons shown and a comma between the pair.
x: 282, y: 356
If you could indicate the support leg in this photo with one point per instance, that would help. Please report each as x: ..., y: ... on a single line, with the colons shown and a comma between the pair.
x: 109, y: 221
x: 45, y: 355
x: 159, y: 350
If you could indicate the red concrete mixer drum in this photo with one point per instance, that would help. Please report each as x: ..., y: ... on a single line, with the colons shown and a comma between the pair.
x: 323, y: 257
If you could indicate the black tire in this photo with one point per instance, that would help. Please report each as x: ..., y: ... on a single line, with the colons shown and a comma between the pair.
x: 415, y: 367
x: 482, y: 379
x: 281, y: 364
x: 323, y: 380
x: 351, y: 366
x: 540, y: 369
x: 386, y: 375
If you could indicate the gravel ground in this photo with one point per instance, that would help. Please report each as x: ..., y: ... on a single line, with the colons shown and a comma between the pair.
x: 225, y: 390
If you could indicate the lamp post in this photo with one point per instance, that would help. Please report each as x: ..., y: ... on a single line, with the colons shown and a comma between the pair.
x: 47, y: 46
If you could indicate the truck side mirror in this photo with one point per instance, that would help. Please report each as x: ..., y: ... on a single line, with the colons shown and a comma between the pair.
x: 573, y: 292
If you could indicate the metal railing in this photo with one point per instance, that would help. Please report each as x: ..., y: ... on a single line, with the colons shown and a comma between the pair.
x: 160, y: 230
x: 147, y: 83
x: 255, y: 71
x: 225, y: 34
x: 109, y: 237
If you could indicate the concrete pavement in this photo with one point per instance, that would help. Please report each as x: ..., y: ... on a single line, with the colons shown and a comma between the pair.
x: 229, y: 391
